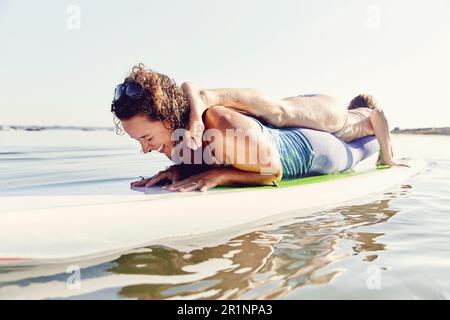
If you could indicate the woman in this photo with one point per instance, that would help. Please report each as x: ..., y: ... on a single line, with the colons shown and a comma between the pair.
x: 320, y: 112
x: 151, y: 108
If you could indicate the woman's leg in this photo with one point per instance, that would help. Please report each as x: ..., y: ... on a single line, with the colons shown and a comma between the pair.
x: 333, y: 155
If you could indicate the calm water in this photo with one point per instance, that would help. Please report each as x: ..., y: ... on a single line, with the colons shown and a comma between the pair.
x: 392, y: 245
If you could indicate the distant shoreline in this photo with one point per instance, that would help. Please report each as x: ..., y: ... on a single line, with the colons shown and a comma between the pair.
x: 444, y: 131
x: 424, y: 131
x: 42, y: 128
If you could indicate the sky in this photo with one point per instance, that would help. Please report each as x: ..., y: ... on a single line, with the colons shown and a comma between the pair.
x: 61, y: 60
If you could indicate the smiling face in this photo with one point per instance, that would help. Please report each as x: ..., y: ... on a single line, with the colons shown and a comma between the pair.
x: 151, y: 134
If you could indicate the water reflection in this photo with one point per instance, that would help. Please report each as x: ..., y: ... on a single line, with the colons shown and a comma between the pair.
x: 263, y: 265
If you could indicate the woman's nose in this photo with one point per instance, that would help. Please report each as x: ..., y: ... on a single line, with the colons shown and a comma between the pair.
x: 145, y: 148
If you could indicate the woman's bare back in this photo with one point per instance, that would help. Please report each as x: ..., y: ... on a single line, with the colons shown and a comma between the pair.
x: 314, y: 111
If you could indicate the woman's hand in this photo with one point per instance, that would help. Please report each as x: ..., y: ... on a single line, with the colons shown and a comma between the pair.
x: 202, y: 181
x: 193, y: 137
x: 390, y: 163
x: 172, y: 173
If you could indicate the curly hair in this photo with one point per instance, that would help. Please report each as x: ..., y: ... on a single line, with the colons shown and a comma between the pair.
x: 363, y: 100
x: 161, y: 100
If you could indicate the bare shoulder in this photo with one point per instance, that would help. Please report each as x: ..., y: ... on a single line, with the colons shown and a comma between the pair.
x: 222, y: 118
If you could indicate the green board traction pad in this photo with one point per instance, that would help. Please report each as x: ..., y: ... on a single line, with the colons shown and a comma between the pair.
x: 306, y: 180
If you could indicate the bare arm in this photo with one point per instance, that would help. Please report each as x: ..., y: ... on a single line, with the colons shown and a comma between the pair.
x: 224, y: 176
x: 247, y: 101
x: 173, y: 174
x: 262, y: 169
x: 381, y: 129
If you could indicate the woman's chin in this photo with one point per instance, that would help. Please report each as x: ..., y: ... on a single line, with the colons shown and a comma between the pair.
x: 167, y: 152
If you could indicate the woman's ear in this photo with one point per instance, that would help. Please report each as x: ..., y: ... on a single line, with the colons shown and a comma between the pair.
x: 167, y: 125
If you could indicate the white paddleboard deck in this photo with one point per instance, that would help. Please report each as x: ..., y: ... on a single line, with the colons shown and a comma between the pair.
x: 52, y: 229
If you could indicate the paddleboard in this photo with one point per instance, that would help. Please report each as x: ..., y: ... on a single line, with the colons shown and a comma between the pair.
x: 53, y: 229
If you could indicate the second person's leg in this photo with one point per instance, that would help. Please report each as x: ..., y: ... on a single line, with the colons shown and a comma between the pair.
x: 333, y: 155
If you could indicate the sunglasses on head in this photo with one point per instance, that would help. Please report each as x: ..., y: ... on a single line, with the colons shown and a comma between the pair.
x: 132, y: 90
